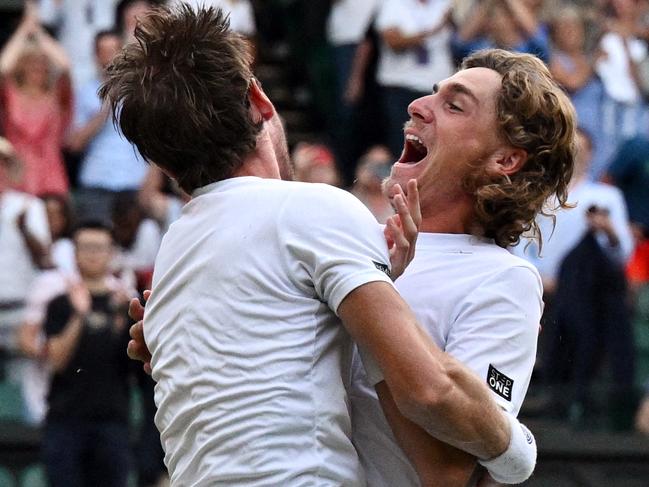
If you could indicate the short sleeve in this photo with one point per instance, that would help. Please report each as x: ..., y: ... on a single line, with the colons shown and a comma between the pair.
x: 37, y: 223
x: 331, y: 242
x: 495, y: 332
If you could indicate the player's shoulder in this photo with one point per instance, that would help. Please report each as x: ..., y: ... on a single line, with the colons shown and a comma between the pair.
x: 504, y: 263
x: 318, y: 195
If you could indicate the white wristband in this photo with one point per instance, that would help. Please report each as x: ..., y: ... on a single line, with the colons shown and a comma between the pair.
x: 516, y: 464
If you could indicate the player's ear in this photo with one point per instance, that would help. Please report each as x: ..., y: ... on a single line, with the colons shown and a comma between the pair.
x: 507, y: 161
x: 261, y: 108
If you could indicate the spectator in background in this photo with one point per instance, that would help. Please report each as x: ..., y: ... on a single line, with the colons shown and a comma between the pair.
x: 60, y: 217
x: 573, y: 328
x: 506, y: 24
x: 592, y: 314
x: 373, y: 167
x: 625, y: 113
x: 76, y: 22
x: 137, y: 238
x: 46, y: 286
x: 109, y: 164
x: 315, y: 163
x: 565, y: 229
x: 86, y: 439
x: 24, y: 237
x: 35, y: 96
x: 347, y: 27
x: 573, y: 68
x: 414, y: 55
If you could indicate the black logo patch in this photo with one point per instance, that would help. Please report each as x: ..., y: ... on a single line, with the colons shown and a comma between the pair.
x: 382, y: 267
x: 500, y: 383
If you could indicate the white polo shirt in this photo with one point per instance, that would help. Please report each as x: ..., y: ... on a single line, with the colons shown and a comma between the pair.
x: 480, y: 304
x: 249, y: 358
x: 17, y: 271
x: 349, y: 20
x: 406, y: 69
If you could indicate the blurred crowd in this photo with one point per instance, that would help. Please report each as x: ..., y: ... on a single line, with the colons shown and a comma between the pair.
x: 82, y: 215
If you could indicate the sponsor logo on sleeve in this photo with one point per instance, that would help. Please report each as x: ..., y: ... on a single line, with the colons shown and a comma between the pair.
x: 500, y: 383
x: 382, y: 267
x: 528, y: 435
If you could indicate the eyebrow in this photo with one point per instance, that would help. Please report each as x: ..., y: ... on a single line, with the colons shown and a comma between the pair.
x: 458, y: 88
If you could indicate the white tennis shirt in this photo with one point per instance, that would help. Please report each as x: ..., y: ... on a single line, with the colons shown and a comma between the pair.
x: 249, y: 358
x: 480, y: 304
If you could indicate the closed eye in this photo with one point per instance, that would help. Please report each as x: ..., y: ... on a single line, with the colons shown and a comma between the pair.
x: 454, y: 107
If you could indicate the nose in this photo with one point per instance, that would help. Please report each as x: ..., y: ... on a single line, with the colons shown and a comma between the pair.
x: 421, y: 109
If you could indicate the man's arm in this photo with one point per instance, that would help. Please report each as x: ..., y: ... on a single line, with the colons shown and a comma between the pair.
x: 494, y: 331
x: 429, y: 387
x: 436, y: 463
x: 61, y: 346
x: 78, y: 139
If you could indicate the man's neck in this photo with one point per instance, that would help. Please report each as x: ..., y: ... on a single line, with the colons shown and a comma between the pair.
x: 95, y: 285
x: 455, y: 218
x: 262, y: 162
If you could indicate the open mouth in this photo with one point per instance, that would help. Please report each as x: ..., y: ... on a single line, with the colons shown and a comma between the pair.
x: 414, y: 150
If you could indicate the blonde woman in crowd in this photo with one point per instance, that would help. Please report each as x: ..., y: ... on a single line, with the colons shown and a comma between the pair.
x: 36, y: 99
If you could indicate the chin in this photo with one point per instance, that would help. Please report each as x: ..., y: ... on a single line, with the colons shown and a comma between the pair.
x: 388, y: 184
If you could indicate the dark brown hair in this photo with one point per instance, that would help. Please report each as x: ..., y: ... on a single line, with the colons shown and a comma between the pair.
x: 533, y: 114
x: 179, y: 92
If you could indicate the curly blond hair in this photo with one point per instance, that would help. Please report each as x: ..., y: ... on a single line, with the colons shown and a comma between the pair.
x: 533, y: 114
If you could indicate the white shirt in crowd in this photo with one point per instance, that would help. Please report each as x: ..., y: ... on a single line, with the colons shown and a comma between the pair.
x: 63, y: 255
x: 142, y: 254
x: 77, y: 23
x: 250, y: 361
x: 415, y: 69
x: 615, y: 67
x: 242, y: 18
x: 571, y: 226
x: 480, y: 304
x: 17, y: 271
x: 349, y: 20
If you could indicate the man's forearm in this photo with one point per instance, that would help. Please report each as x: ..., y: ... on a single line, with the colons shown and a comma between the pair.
x: 39, y: 252
x: 61, y: 347
x: 79, y: 139
x: 436, y: 463
x: 465, y: 415
x: 429, y: 387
